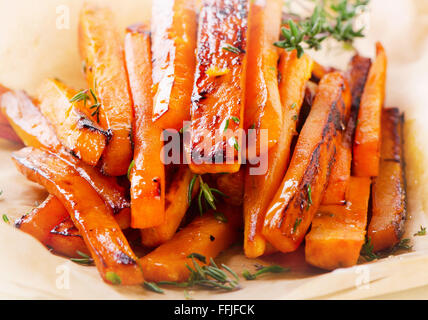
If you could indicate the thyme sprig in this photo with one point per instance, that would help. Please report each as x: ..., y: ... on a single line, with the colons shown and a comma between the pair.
x: 336, y: 23
x: 206, y: 196
x: 367, y: 250
x: 261, y: 270
x: 84, y: 96
x: 207, y: 276
x: 422, y: 231
x: 84, y: 260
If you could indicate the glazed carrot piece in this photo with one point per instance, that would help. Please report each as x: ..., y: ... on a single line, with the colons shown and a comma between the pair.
x: 148, y: 173
x: 291, y: 211
x: 102, y: 53
x: 27, y: 121
x: 205, y: 235
x: 260, y: 189
x: 319, y: 71
x: 389, y: 188
x: 173, y: 34
x: 72, y: 121
x: 219, y: 89
x: 66, y: 240
x: 176, y: 205
x: 341, y: 171
x: 338, y: 231
x: 232, y: 185
x: 263, y: 109
x: 93, y: 218
x: 367, y: 134
x: 41, y: 220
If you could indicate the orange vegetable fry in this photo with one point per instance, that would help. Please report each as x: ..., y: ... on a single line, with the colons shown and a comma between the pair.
x: 6, y: 130
x: 219, y: 89
x: 93, y: 218
x: 341, y: 171
x: 367, y: 133
x: 260, y: 189
x: 41, y: 220
x: 389, y: 190
x: 205, y: 235
x: 232, y: 185
x: 291, y: 211
x: 176, y: 205
x: 72, y: 121
x: 320, y: 71
x: 148, y: 173
x: 27, y: 121
x: 66, y: 240
x: 263, y: 109
x: 338, y: 231
x: 102, y: 53
x: 173, y: 50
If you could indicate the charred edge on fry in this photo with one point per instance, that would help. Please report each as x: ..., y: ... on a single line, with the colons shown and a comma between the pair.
x: 85, y: 123
x: 300, y: 199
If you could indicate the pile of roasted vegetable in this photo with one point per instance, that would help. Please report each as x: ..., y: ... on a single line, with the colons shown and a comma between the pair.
x: 235, y: 78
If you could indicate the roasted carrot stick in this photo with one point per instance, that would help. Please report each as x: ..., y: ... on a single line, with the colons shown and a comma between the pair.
x: 66, y: 240
x: 176, y: 205
x: 148, y: 173
x: 338, y: 231
x: 389, y: 190
x: 320, y: 71
x: 205, y: 235
x: 290, y: 213
x: 41, y: 220
x: 93, y: 218
x: 72, y: 121
x: 341, y: 171
x: 27, y: 121
x: 367, y: 133
x: 260, y: 189
x: 101, y: 50
x: 173, y: 49
x: 263, y: 109
x: 219, y: 89
x: 232, y: 185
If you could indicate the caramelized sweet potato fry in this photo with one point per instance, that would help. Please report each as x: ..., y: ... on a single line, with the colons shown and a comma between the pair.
x: 66, y: 240
x: 260, y: 189
x: 205, y: 235
x: 263, y: 109
x: 219, y: 89
x: 148, y: 173
x: 320, y: 71
x: 232, y: 185
x: 176, y: 205
x: 27, y: 121
x: 101, y: 50
x: 93, y: 218
x: 389, y: 190
x: 341, y: 171
x: 291, y: 211
x: 173, y: 48
x: 41, y: 220
x: 338, y: 231
x: 72, y: 121
x: 367, y: 133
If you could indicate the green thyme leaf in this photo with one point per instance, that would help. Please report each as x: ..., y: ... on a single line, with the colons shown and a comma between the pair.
x: 261, y: 270
x: 152, y: 287
x: 113, y: 278
x: 198, y: 256
x: 5, y: 218
x: 233, y: 49
x: 236, y: 120
x: 367, y: 250
x: 421, y: 232
x: 131, y: 165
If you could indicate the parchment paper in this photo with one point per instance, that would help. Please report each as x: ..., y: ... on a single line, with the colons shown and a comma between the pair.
x: 33, y: 46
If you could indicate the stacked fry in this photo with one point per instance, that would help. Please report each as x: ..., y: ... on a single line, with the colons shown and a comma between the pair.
x: 328, y: 145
